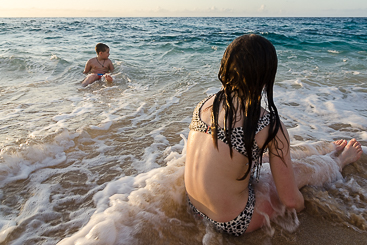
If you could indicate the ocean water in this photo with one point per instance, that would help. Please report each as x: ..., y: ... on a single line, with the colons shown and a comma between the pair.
x: 104, y: 164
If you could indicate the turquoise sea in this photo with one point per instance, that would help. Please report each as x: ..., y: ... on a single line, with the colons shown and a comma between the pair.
x: 104, y: 164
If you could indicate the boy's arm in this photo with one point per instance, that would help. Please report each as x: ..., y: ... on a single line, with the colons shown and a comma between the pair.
x: 111, y: 67
x: 88, y: 67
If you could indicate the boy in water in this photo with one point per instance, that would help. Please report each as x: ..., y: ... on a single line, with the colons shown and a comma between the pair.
x: 98, y: 66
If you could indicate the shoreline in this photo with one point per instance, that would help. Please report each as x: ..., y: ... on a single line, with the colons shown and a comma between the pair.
x: 313, y: 230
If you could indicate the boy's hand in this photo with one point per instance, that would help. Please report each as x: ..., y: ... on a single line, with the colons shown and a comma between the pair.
x: 108, y: 78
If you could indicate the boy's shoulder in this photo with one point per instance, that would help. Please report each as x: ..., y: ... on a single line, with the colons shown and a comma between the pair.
x: 92, y: 60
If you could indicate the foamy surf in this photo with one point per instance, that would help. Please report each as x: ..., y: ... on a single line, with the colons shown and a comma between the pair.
x: 152, y: 206
x: 149, y: 200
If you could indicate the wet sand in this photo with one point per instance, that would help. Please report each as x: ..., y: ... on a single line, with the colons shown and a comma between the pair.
x: 313, y: 230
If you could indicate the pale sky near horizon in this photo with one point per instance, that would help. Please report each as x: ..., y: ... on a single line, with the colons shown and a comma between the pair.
x: 186, y: 8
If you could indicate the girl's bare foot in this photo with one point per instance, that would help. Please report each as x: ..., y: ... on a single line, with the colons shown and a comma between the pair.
x: 340, y: 144
x: 351, y: 152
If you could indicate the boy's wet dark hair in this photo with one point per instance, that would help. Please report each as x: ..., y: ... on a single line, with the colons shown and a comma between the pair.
x: 101, y: 47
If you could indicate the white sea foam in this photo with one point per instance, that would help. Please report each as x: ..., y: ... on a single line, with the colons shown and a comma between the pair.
x: 125, y: 203
x: 31, y: 158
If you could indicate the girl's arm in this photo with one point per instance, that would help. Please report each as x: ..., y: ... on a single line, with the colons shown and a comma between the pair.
x: 282, y: 171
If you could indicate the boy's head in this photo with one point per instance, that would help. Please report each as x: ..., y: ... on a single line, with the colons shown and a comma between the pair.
x: 101, y: 47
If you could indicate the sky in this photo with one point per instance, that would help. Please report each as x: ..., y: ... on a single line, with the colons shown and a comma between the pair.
x: 184, y: 8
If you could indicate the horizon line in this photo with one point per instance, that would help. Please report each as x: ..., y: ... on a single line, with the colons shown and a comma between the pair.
x: 8, y: 17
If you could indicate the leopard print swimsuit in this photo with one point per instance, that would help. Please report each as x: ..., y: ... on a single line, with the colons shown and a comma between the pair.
x: 236, y: 138
x: 239, y: 225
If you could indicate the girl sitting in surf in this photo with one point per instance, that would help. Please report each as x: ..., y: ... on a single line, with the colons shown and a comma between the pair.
x: 229, y: 133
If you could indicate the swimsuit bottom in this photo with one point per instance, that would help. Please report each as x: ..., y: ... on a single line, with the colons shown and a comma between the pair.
x: 237, y: 226
x: 100, y: 75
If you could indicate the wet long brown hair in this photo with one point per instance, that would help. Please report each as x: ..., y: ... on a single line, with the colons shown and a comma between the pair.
x: 248, y: 69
